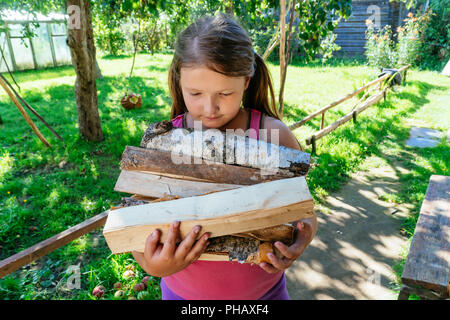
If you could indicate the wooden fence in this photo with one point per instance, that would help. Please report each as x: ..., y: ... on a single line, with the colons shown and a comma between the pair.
x: 371, y: 100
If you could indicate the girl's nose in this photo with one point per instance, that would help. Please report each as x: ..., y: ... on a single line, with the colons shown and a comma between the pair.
x: 210, y: 106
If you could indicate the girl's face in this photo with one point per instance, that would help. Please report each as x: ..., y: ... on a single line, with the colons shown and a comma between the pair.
x: 211, y: 97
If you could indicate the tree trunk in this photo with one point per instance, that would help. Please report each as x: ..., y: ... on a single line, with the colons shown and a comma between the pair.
x: 98, y: 71
x: 82, y: 49
x: 285, y: 53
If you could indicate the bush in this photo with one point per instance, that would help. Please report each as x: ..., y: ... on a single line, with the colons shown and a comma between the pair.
x: 434, y: 52
x: 414, y: 43
x: 411, y: 38
x: 380, y: 49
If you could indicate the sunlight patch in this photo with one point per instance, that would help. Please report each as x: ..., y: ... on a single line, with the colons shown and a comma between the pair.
x: 6, y: 163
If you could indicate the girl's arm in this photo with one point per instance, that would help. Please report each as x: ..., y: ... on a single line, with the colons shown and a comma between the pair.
x: 306, y: 228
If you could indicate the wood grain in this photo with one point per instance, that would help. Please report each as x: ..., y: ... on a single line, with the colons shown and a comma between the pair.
x: 221, y: 213
x: 428, y: 261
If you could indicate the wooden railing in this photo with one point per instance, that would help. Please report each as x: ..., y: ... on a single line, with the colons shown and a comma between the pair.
x: 371, y: 100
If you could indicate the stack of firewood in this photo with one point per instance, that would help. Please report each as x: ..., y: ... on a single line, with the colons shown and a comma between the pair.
x: 245, y: 199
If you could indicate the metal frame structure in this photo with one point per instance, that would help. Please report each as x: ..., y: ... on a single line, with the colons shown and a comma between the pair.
x: 51, y: 37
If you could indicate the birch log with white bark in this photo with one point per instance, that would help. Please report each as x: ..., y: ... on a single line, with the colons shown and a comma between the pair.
x: 229, y: 148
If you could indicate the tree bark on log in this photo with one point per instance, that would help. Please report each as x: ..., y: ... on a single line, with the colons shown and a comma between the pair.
x: 229, y: 148
x: 159, y: 162
x: 82, y: 49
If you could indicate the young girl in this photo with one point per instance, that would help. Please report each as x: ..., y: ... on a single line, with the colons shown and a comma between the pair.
x: 217, y: 78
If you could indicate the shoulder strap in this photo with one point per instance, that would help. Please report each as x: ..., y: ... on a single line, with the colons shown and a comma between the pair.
x: 255, y: 122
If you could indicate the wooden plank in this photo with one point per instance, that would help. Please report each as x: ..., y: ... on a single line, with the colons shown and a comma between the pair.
x: 160, y: 162
x: 358, y: 24
x: 342, y: 29
x: 239, y: 210
x: 24, y: 113
x: 350, y: 43
x: 335, y: 103
x: 153, y: 185
x: 42, y: 248
x: 428, y: 261
x: 370, y: 101
x: 229, y: 148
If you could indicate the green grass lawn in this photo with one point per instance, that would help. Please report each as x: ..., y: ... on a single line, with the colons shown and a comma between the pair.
x: 45, y: 191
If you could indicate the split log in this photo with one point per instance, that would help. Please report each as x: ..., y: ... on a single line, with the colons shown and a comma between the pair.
x: 243, y: 250
x: 221, y: 213
x: 229, y: 148
x: 160, y: 162
x: 151, y: 185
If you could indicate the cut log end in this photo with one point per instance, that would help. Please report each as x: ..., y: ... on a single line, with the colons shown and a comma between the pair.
x: 155, y: 129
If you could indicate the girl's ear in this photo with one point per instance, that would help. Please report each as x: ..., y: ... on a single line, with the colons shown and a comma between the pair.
x: 247, y: 82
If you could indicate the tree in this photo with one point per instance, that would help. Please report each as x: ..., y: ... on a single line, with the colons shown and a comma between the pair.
x: 82, y: 49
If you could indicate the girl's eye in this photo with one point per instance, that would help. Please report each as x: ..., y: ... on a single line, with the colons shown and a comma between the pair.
x: 226, y: 94
x: 195, y: 94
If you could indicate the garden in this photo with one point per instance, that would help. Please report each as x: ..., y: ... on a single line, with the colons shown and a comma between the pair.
x: 46, y: 190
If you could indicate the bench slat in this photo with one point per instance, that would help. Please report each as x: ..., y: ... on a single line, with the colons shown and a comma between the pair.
x: 428, y: 261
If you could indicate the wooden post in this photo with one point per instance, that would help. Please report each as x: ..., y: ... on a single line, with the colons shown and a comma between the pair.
x: 52, y: 48
x: 24, y: 113
x: 354, y: 116
x: 30, y: 108
x: 313, y: 142
x: 11, y: 51
x: 282, y: 53
x: 323, y: 120
x: 33, y: 53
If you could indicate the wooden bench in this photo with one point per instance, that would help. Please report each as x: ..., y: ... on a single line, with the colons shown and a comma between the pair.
x: 427, y: 267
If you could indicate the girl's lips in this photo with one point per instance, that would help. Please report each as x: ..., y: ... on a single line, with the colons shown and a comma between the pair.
x: 212, y: 118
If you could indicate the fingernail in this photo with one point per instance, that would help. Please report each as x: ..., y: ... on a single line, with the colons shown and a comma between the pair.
x: 197, y: 229
x: 154, y: 234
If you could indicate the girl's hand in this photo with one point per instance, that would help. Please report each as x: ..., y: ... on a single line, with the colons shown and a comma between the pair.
x: 291, y: 253
x: 160, y: 260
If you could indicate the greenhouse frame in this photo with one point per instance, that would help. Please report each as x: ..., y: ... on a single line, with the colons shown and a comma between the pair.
x: 45, y: 46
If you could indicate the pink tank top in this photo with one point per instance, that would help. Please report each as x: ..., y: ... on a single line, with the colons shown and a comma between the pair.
x: 223, y: 280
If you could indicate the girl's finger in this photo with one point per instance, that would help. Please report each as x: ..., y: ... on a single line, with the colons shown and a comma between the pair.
x: 285, y: 250
x: 171, y: 240
x: 280, y: 264
x: 198, y: 248
x: 140, y: 259
x: 268, y: 267
x: 152, y: 243
x: 186, y: 245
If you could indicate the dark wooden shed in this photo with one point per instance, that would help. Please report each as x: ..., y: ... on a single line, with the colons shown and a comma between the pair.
x: 350, y: 33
